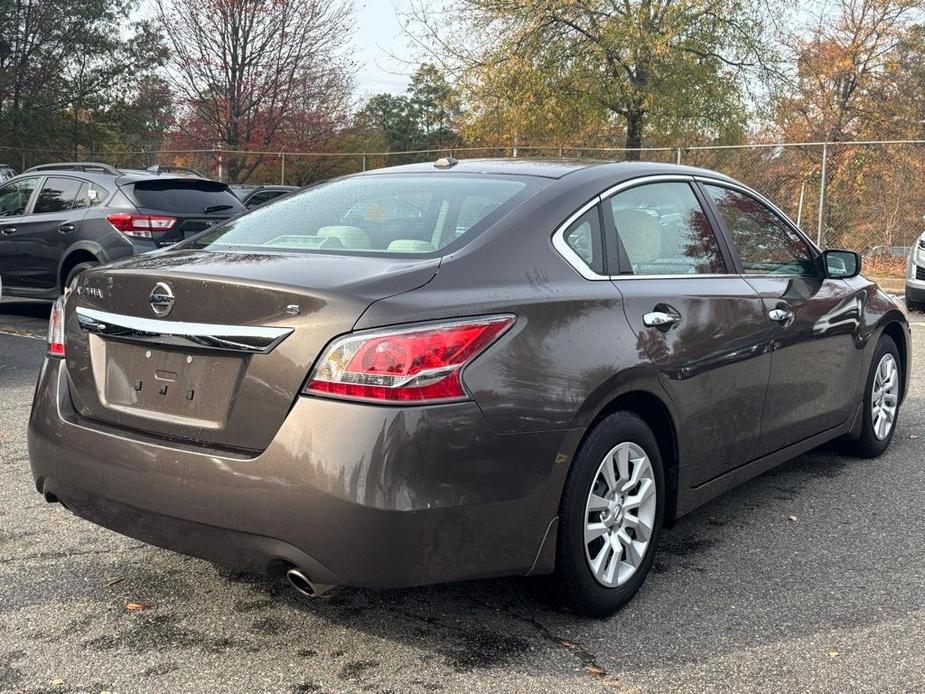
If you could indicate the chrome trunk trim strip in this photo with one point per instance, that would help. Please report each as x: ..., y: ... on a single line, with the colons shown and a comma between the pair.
x: 228, y: 338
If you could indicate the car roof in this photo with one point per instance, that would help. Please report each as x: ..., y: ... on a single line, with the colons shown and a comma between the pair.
x: 124, y: 176
x: 552, y: 168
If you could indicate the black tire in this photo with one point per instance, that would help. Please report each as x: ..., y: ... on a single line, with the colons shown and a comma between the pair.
x: 913, y: 305
x: 868, y: 445
x: 76, y: 270
x: 573, y: 584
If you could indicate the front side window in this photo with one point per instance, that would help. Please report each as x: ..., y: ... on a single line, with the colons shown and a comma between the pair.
x: 766, y: 244
x: 663, y: 230
x: 57, y: 195
x: 14, y: 197
x: 375, y: 214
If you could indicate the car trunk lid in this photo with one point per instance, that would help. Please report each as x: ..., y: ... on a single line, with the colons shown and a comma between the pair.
x: 223, y: 364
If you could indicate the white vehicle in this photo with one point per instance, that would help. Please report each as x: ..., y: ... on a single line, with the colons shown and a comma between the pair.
x: 915, y: 276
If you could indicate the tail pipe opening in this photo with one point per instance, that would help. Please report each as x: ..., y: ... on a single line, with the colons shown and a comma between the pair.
x: 304, y: 585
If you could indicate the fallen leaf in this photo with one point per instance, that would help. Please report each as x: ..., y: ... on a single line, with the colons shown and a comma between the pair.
x: 833, y: 654
x: 137, y: 606
x: 595, y: 670
x: 792, y: 519
x: 114, y: 581
x: 568, y: 644
x: 57, y: 683
x: 913, y: 436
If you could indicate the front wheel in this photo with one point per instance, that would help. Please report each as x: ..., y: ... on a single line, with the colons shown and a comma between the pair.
x: 610, y: 517
x: 881, y: 401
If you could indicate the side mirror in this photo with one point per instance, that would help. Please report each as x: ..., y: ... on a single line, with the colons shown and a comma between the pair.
x: 841, y: 265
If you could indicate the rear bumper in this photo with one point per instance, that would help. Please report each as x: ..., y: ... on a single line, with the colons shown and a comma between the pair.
x: 353, y: 494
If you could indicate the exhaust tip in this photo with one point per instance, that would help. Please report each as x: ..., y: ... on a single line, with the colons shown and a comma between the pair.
x: 300, y: 582
x: 304, y: 585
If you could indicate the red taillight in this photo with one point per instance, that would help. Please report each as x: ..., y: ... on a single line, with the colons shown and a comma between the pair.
x: 56, y: 329
x: 409, y: 365
x: 140, y: 225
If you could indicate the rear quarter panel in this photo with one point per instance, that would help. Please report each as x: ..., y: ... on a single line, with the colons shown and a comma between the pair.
x: 570, y: 351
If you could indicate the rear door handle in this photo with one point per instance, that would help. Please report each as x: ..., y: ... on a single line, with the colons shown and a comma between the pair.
x: 65, y: 228
x: 780, y: 314
x: 7, y: 231
x: 660, y: 319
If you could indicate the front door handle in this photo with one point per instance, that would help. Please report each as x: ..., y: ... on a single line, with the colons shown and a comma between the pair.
x: 660, y: 319
x: 780, y: 314
x: 7, y: 231
x: 65, y: 228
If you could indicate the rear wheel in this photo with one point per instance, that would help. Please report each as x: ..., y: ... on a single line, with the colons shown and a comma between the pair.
x: 610, y: 518
x: 76, y: 270
x: 881, y: 401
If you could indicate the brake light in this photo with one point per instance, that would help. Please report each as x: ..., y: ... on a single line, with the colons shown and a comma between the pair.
x: 141, y: 226
x: 409, y: 365
x: 56, y: 328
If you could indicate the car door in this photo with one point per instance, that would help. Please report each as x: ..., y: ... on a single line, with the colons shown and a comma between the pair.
x: 15, y: 197
x: 699, y: 322
x: 815, y: 356
x: 44, y: 233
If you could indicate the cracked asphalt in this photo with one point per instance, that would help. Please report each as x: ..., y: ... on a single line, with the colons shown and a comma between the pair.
x: 810, y: 578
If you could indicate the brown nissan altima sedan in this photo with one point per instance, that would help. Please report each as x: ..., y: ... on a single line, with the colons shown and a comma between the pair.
x: 457, y: 370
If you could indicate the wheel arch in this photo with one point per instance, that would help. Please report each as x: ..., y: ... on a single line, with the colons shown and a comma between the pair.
x: 76, y: 254
x: 896, y: 329
x: 654, y: 411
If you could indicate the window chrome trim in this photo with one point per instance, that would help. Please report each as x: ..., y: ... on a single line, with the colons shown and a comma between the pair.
x: 573, y: 259
x: 566, y: 251
x: 722, y: 183
x: 229, y: 338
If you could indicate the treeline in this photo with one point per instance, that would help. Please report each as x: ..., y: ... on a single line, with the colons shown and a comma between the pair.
x: 80, y: 79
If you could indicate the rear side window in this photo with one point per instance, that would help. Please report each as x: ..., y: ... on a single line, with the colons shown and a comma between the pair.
x: 14, y: 197
x: 663, y: 230
x: 766, y: 244
x: 90, y: 195
x: 377, y: 214
x: 57, y: 195
x: 584, y: 238
x: 186, y: 196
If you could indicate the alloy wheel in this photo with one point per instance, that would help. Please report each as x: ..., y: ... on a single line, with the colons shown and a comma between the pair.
x: 884, y: 397
x: 620, y: 514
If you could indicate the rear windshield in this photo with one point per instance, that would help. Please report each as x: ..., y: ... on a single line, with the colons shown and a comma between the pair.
x: 187, y: 196
x: 395, y: 214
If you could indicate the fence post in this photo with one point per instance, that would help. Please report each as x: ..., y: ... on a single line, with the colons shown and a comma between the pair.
x: 282, y: 168
x: 364, y: 162
x: 822, y: 181
x: 679, y: 156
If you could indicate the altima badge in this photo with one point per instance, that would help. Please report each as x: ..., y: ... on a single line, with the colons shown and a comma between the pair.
x: 161, y: 299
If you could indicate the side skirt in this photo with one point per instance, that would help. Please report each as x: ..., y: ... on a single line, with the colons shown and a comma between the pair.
x: 693, y: 497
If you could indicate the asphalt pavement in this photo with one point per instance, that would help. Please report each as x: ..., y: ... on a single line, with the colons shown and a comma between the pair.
x: 810, y: 578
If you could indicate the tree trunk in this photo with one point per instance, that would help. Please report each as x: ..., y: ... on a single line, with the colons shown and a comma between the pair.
x: 633, y: 134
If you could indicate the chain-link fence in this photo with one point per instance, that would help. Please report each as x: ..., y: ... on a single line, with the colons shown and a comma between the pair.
x: 869, y: 196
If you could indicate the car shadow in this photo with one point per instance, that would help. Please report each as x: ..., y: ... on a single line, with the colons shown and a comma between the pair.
x: 777, y: 558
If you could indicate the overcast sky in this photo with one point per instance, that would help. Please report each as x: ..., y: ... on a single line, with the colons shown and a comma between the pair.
x: 379, y: 33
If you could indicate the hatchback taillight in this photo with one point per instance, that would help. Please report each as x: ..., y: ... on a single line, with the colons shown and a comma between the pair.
x: 142, y: 226
x: 56, y: 329
x: 407, y: 365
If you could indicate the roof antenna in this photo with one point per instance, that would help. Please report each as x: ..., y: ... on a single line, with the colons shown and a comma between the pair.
x: 445, y: 163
